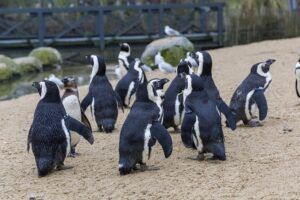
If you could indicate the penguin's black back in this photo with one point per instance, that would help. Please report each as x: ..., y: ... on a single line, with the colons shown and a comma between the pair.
x: 175, y: 87
x: 105, y: 105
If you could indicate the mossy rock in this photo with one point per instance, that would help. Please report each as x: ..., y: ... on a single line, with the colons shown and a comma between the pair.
x: 28, y: 64
x: 8, y: 68
x: 49, y: 56
x: 172, y: 49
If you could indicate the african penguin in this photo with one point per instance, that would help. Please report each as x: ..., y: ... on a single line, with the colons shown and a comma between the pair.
x: 205, y: 72
x: 124, y: 60
x: 297, y: 74
x: 70, y: 100
x: 101, y: 96
x: 201, y: 126
x: 127, y: 86
x: 250, y: 95
x: 49, y: 134
x: 142, y: 128
x: 173, y: 102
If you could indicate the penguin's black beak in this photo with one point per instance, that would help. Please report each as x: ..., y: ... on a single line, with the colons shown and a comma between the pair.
x: 164, y: 81
x: 270, y: 61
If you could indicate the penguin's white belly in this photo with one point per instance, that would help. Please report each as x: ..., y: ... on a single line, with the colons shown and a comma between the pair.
x: 197, y: 140
x: 147, y: 136
x: 67, y: 134
x: 177, y: 113
x: 72, y: 107
x: 127, y: 98
x: 247, y: 111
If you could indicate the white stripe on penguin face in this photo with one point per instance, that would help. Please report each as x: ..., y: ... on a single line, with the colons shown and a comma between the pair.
x: 200, y: 66
x: 43, y: 89
x: 95, y: 67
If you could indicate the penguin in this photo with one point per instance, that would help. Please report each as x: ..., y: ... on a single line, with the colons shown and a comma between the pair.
x: 49, y: 134
x: 204, y: 70
x: 297, y: 74
x: 70, y: 100
x: 101, y: 96
x: 142, y: 128
x: 192, y: 58
x: 170, y: 31
x: 162, y: 64
x: 173, y: 101
x: 127, y: 86
x: 124, y: 60
x: 249, y: 96
x: 201, y: 127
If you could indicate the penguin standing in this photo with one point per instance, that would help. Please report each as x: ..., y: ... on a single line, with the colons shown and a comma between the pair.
x: 201, y: 127
x: 49, y: 134
x: 101, y: 96
x: 70, y: 100
x: 162, y: 64
x: 173, y: 101
x: 297, y: 74
x: 205, y: 72
x: 127, y: 86
x: 250, y: 95
x: 124, y: 60
x: 142, y: 128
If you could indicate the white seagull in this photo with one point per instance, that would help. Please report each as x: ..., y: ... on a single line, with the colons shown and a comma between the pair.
x: 171, y: 32
x: 56, y: 80
x: 162, y: 64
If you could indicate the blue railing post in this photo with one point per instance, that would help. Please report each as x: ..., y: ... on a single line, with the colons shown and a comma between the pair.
x: 41, y: 29
x: 100, y: 28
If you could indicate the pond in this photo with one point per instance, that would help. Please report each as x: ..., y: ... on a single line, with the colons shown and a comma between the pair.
x: 21, y: 86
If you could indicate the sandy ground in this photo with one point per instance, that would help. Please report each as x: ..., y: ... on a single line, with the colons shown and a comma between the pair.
x: 263, y: 163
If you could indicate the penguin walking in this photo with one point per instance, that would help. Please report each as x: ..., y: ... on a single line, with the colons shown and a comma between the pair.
x: 173, y: 101
x: 201, y: 127
x: 127, y: 86
x: 297, y: 74
x: 162, y: 64
x: 70, y: 100
x: 101, y: 96
x: 204, y: 70
x: 49, y: 134
x: 249, y: 96
x: 142, y: 128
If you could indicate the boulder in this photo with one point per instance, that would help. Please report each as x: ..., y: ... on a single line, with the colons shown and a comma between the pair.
x: 172, y: 49
x: 49, y: 56
x: 28, y: 64
x: 8, y: 68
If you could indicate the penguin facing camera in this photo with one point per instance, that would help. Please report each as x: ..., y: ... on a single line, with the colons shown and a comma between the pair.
x: 70, y: 100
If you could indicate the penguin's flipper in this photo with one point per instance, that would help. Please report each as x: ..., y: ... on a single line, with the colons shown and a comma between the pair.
x: 261, y: 103
x: 119, y: 101
x: 160, y: 133
x: 188, y: 122
x: 230, y: 117
x: 85, y: 120
x: 86, y: 101
x: 296, y: 86
x: 74, y: 125
x: 29, y: 140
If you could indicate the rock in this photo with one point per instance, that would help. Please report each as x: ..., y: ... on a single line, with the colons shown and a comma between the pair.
x: 172, y: 49
x: 8, y: 68
x: 28, y: 64
x: 49, y: 56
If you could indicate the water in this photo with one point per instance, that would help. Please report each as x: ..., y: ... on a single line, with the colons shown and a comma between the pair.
x: 21, y: 86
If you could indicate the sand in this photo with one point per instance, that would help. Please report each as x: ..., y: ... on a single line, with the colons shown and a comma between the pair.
x: 263, y: 163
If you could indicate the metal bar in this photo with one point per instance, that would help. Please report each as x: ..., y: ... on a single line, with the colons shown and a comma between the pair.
x: 101, y: 29
x: 15, y: 26
x: 41, y: 32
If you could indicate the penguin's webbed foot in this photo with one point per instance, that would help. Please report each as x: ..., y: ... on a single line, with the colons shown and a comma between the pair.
x: 63, y: 167
x: 145, y: 167
x: 200, y: 157
x: 73, y: 153
x: 254, y: 123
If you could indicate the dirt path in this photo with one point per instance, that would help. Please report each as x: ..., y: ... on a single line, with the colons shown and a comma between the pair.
x: 262, y: 162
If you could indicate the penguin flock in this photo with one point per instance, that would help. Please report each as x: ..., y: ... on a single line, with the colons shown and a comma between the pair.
x: 191, y: 105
